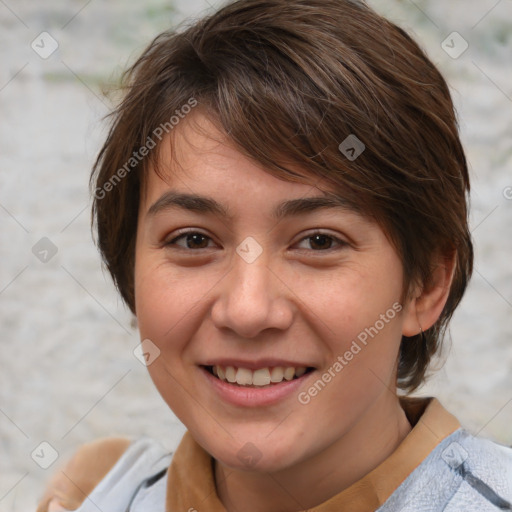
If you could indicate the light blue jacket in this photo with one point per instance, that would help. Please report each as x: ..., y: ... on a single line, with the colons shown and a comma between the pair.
x: 462, y: 474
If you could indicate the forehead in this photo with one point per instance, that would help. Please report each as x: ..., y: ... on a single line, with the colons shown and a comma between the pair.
x: 198, y: 157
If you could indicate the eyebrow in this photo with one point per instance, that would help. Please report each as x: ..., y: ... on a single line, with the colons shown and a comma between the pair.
x: 208, y: 205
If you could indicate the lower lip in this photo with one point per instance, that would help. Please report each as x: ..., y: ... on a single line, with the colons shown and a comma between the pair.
x: 254, y: 397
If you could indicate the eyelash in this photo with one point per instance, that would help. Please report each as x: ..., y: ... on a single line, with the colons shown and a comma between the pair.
x: 183, y: 234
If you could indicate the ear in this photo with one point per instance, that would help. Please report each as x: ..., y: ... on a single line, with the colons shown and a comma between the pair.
x: 425, y: 303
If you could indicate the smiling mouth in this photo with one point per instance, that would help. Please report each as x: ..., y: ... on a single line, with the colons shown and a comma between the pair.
x: 260, y: 378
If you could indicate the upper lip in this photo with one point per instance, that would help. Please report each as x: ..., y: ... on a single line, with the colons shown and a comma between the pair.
x: 254, y: 365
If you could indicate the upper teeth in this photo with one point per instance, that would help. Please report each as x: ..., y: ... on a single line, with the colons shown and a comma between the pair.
x: 260, y: 377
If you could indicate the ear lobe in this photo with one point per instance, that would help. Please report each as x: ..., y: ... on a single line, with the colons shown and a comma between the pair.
x: 426, y: 304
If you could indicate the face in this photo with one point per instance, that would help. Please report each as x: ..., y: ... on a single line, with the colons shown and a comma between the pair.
x: 256, y: 282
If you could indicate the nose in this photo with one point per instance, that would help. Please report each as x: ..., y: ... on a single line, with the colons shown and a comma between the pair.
x: 252, y: 299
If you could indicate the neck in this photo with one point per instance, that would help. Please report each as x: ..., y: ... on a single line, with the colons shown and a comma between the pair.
x: 311, y: 482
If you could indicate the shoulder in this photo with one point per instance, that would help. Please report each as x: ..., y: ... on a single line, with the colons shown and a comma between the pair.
x: 483, y: 446
x: 487, y: 458
x: 484, y: 473
x: 482, y: 456
x: 463, y: 472
x: 88, y: 466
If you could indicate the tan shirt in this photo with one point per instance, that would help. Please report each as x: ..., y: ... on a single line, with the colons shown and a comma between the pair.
x: 191, y: 480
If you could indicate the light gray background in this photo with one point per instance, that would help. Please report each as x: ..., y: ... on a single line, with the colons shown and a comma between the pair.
x: 68, y: 374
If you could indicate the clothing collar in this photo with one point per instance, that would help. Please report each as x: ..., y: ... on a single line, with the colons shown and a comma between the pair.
x: 191, y: 482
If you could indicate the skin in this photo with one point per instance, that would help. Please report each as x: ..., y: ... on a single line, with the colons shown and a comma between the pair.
x: 298, y: 300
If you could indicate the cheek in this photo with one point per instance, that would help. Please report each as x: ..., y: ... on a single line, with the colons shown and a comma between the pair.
x: 363, y: 354
x: 160, y: 301
x: 363, y: 326
x: 170, y: 304
x: 165, y: 315
x: 350, y: 301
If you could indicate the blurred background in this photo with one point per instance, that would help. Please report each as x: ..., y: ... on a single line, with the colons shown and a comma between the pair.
x: 68, y: 374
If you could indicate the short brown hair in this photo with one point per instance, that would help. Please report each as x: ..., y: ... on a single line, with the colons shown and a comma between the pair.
x: 289, y: 81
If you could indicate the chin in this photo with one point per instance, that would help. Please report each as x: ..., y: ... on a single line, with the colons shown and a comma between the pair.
x: 256, y: 455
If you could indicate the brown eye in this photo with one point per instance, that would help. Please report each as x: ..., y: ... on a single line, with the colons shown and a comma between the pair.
x: 192, y: 239
x: 322, y: 242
